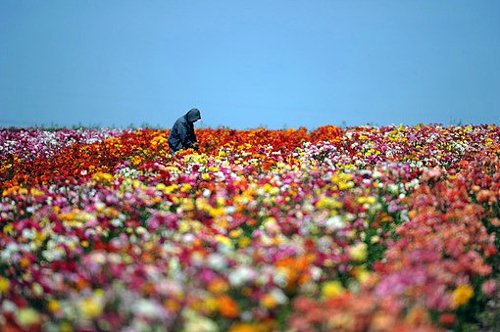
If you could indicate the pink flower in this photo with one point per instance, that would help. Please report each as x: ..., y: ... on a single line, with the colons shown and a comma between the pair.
x: 489, y: 287
x: 431, y: 175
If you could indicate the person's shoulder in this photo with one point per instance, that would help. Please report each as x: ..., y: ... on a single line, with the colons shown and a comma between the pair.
x: 180, y: 120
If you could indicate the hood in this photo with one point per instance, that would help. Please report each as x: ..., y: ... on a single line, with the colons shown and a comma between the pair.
x: 193, y: 115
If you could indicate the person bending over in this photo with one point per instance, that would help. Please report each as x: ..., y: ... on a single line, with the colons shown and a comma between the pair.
x: 182, y: 135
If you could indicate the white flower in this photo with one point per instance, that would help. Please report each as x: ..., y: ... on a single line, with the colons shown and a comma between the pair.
x: 216, y: 261
x: 195, y: 322
x: 116, y: 222
x: 148, y: 308
x: 280, y: 278
x: 241, y: 275
x: 335, y: 223
x: 278, y: 295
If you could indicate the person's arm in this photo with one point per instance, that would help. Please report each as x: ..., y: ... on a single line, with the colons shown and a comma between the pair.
x: 186, y: 136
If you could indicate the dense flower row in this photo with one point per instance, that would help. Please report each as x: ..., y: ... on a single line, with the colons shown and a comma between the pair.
x: 354, y: 229
x: 32, y: 144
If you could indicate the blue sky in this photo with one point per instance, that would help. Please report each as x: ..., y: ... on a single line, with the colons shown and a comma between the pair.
x: 247, y: 64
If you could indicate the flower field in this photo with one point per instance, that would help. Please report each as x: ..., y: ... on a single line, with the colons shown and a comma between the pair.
x: 337, y: 229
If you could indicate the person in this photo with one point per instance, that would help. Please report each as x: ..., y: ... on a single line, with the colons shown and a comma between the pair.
x: 182, y: 135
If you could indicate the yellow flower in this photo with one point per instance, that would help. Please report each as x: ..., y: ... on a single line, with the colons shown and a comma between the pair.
x: 358, y: 252
x: 361, y: 273
x: 136, y: 160
x: 196, y: 158
x: 27, y: 317
x: 328, y: 203
x: 36, y: 192
x: 101, y: 177
x: 161, y: 186
x: 8, y: 229
x: 54, y: 306
x: 40, y: 236
x: 268, y: 188
x: 244, y: 242
x: 268, y: 301
x: 184, y: 227
x: 210, y: 304
x: 11, y: 190
x: 66, y: 327
x: 236, y: 233
x: 186, y: 187
x: 159, y: 140
x: 461, y: 295
x: 375, y: 239
x: 220, y: 202
x: 217, y: 212
x: 92, y: 306
x: 224, y: 240
x: 171, y: 188
x: 370, y: 200
x: 332, y: 288
x: 4, y: 285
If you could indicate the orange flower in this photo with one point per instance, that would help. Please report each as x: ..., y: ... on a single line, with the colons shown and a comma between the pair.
x: 218, y: 286
x: 447, y: 319
x: 250, y: 327
x: 227, y: 306
x: 418, y: 315
x: 296, y: 269
x: 269, y: 301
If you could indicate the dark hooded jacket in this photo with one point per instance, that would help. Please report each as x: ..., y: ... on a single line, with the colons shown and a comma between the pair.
x: 182, y: 135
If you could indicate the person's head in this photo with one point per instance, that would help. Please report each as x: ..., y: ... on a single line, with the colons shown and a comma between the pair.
x: 193, y: 115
